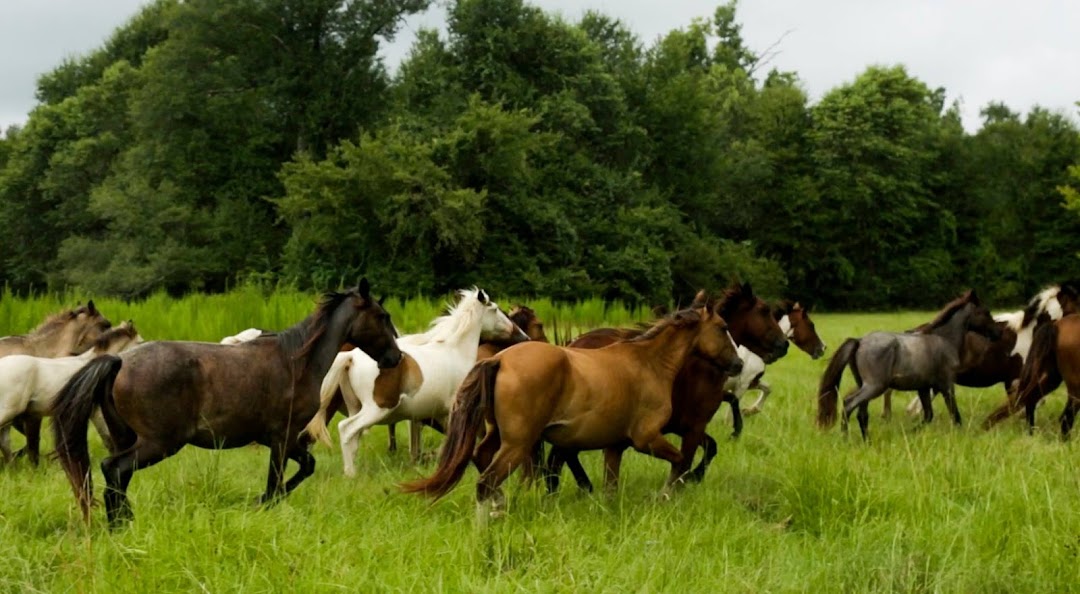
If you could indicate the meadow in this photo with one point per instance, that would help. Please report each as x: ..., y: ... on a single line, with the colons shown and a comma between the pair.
x: 786, y: 508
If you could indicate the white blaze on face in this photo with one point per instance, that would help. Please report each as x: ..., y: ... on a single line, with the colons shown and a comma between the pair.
x: 785, y: 325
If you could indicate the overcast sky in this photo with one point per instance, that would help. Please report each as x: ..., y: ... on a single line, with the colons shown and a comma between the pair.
x: 1023, y: 54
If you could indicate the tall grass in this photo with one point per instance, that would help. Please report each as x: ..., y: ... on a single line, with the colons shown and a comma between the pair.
x: 787, y: 508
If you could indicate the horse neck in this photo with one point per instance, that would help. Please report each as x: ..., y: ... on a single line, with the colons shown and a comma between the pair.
x: 785, y: 325
x: 460, y: 331
x: 667, y: 351
x: 954, y: 329
x: 315, y: 363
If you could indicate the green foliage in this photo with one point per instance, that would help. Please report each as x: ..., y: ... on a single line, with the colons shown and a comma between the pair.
x: 211, y: 141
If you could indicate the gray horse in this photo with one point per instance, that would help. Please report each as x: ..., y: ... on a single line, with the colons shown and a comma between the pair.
x: 900, y: 361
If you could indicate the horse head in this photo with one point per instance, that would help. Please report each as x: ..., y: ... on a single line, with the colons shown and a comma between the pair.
x: 370, y: 328
x: 979, y: 320
x: 800, y: 328
x: 714, y: 342
x: 525, y: 318
x: 495, y: 325
x: 751, y: 322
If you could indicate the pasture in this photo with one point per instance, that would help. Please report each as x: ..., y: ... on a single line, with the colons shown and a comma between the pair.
x: 787, y: 507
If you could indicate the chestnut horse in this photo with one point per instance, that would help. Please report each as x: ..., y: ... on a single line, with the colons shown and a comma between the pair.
x: 794, y: 320
x: 577, y: 399
x: 903, y: 361
x: 164, y: 395
x: 698, y: 388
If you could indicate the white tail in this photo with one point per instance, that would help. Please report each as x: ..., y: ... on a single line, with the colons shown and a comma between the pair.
x: 334, y: 379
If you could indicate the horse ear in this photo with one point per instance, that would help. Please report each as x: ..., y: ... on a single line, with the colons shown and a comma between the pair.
x: 381, y: 299
x: 700, y: 300
x: 483, y: 297
x: 972, y: 297
x: 364, y: 288
x: 90, y: 307
x: 746, y: 288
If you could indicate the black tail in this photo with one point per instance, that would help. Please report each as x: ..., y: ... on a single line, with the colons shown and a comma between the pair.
x: 71, y: 411
x: 829, y: 390
x: 1040, y: 374
x: 474, y: 399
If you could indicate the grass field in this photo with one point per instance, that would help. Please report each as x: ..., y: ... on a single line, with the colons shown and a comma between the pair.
x: 785, y: 508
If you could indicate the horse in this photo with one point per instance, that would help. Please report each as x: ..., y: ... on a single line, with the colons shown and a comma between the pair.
x: 523, y: 317
x: 1054, y: 358
x: 423, y: 386
x: 985, y: 363
x: 164, y: 395
x: 698, y: 388
x: 577, y: 399
x: 28, y: 384
x: 69, y: 332
x: 902, y: 361
x: 794, y: 320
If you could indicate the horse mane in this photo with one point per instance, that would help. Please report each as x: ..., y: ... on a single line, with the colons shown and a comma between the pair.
x: 782, y: 308
x: 298, y: 340
x: 458, y: 316
x: 126, y: 329
x: 1040, y: 303
x: 520, y: 316
x: 947, y: 312
x: 731, y: 298
x: 678, y: 319
x: 59, y: 319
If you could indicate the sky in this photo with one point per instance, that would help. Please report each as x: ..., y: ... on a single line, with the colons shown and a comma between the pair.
x: 1022, y: 54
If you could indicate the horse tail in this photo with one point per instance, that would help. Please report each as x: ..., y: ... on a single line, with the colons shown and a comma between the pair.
x: 72, y: 408
x: 474, y: 399
x: 1040, y: 374
x: 331, y: 381
x: 829, y: 389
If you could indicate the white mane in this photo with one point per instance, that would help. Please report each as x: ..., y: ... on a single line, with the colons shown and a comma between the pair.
x: 458, y: 317
x: 1046, y: 301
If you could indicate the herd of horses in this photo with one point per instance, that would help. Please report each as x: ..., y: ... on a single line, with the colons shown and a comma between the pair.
x: 494, y: 384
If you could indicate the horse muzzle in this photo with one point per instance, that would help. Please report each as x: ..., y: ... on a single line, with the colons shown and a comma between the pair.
x: 390, y: 359
x: 819, y: 352
x: 735, y: 367
x: 518, y: 336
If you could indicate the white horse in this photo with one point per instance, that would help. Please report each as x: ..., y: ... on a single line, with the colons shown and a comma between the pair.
x: 423, y: 385
x: 28, y: 384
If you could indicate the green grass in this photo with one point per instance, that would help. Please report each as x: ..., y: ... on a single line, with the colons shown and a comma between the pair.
x: 786, y: 508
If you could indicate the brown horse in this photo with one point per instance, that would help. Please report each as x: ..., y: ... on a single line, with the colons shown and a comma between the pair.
x: 794, y: 319
x: 985, y: 363
x: 698, y: 389
x: 523, y: 317
x: 577, y: 399
x: 1054, y: 357
x: 164, y: 395
x: 64, y: 334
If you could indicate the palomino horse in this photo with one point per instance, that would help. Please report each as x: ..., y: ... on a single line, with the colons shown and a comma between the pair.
x: 698, y: 388
x: 67, y: 333
x: 794, y: 320
x: 984, y: 363
x: 577, y: 399
x: 423, y: 386
x: 523, y: 317
x: 902, y: 361
x: 164, y: 395
x: 28, y: 384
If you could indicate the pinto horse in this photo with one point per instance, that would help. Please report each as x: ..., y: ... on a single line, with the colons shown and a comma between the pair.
x: 1054, y: 358
x: 794, y: 320
x: 984, y: 363
x: 423, y: 386
x: 164, y: 395
x: 67, y: 333
x: 698, y: 388
x: 28, y: 384
x: 577, y: 399
x: 903, y: 361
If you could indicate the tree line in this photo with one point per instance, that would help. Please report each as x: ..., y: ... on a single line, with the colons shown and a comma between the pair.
x: 211, y: 142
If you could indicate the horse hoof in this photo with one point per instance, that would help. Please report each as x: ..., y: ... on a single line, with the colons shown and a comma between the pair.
x: 753, y: 410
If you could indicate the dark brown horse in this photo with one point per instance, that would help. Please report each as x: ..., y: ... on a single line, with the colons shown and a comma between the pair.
x: 578, y: 399
x: 985, y: 363
x: 164, y: 395
x: 698, y: 389
x: 794, y: 319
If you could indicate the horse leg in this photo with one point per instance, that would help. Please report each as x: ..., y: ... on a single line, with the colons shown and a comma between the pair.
x: 687, y: 449
x: 863, y: 415
x: 118, y: 470
x: 415, y: 428
x: 612, y: 463
x: 32, y: 431
x: 505, y: 461
x: 709, y: 445
x: 949, y: 394
x: 863, y: 394
x: 760, y: 402
x: 886, y: 403
x: 351, y: 429
x: 925, y: 398
x: 300, y: 454
x: 5, y: 443
x: 102, y: 428
x: 736, y: 414
x: 391, y: 442
x: 915, y: 406
x: 553, y: 468
x: 275, y: 483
